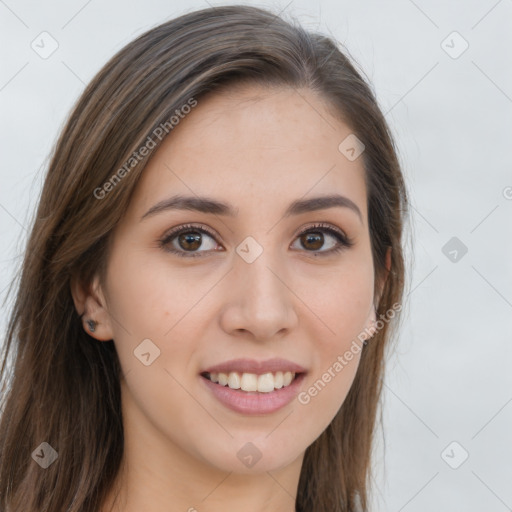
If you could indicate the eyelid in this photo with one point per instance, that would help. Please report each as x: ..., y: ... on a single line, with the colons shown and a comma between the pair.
x: 300, y: 231
x: 344, y: 241
x: 184, y: 228
x: 189, y: 227
x: 325, y: 226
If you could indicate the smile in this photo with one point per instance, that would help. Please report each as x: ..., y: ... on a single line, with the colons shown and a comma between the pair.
x: 264, y: 383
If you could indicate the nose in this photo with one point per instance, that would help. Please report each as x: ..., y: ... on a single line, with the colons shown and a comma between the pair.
x: 260, y: 301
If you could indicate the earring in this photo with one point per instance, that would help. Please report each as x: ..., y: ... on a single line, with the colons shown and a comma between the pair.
x: 91, y: 324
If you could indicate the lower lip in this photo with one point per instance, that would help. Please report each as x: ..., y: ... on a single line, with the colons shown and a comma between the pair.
x: 254, y: 402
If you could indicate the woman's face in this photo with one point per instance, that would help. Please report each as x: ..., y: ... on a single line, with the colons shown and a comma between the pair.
x: 249, y: 286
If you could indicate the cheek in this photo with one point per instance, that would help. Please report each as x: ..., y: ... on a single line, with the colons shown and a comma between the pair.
x: 343, y: 308
x: 326, y: 388
x: 342, y: 303
x: 165, y: 305
x: 149, y: 297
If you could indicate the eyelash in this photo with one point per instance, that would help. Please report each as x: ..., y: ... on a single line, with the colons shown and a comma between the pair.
x: 344, y: 242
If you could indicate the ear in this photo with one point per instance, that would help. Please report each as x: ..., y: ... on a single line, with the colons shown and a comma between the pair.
x: 90, y: 304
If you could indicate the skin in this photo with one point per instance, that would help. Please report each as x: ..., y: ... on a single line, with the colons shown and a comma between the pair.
x: 259, y: 149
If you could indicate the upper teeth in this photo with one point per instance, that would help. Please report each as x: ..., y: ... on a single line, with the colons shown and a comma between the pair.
x: 264, y: 383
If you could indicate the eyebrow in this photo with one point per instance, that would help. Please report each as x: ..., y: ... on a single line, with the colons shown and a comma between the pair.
x: 212, y: 206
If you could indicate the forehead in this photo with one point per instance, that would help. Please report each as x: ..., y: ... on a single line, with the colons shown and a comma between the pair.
x: 254, y: 146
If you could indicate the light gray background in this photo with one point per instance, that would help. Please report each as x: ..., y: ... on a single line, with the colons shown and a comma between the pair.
x: 450, y: 377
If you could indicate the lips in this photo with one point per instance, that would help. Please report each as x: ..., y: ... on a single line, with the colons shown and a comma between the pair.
x: 254, y: 402
x: 256, y: 367
x: 249, y: 386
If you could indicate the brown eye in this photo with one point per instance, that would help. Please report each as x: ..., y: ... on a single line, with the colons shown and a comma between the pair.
x: 189, y: 241
x: 322, y: 240
x: 312, y: 241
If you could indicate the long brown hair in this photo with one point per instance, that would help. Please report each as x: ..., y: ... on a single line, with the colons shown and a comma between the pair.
x: 61, y: 388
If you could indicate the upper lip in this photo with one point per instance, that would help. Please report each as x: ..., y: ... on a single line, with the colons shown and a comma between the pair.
x: 257, y: 367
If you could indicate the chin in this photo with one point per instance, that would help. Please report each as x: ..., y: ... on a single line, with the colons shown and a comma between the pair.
x: 250, y: 458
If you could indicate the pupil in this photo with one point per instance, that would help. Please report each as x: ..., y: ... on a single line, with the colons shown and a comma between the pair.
x: 316, y: 239
x: 193, y: 239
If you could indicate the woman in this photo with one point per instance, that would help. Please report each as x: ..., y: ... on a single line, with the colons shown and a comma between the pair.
x: 210, y: 283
